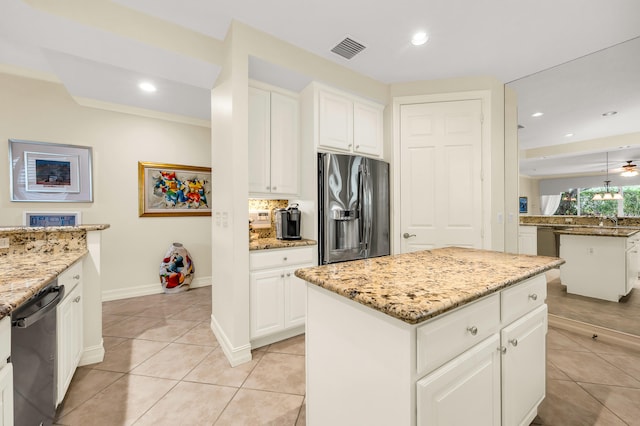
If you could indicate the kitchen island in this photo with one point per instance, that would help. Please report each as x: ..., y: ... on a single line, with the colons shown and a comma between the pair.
x: 438, y: 337
x: 601, y: 262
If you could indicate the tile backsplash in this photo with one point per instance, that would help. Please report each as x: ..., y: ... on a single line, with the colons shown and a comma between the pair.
x: 255, y: 204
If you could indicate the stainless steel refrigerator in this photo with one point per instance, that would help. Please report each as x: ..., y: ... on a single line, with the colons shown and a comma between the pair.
x: 353, y: 200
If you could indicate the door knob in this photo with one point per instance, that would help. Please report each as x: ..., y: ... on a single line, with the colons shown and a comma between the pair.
x: 407, y: 235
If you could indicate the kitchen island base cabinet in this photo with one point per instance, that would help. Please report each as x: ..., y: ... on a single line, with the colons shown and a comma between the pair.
x: 365, y: 367
x: 6, y: 373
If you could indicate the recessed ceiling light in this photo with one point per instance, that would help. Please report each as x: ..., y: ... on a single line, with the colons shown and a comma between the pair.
x: 609, y: 113
x: 147, y: 87
x: 419, y: 38
x: 537, y: 114
x: 568, y: 135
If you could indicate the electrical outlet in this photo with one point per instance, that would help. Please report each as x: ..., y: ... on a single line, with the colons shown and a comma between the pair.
x: 590, y: 250
x: 568, y: 220
x: 4, y: 242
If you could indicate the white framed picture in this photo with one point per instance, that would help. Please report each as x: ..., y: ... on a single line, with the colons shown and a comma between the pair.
x: 51, y: 218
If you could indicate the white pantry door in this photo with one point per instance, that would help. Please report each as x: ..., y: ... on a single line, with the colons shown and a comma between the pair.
x: 441, y: 175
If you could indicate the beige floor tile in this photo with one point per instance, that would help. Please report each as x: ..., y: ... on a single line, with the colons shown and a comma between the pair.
x: 128, y: 355
x: 195, y: 313
x: 215, y: 369
x: 598, y: 346
x: 302, y: 417
x: 620, y: 400
x: 110, y: 342
x: 589, y: 367
x: 252, y: 407
x: 201, y: 334
x: 121, y: 403
x: 86, y: 384
x: 131, y: 327
x: 567, y: 404
x: 168, y: 330
x: 124, y: 307
x: 278, y: 373
x: 628, y: 363
x: 193, y: 404
x: 558, y: 340
x: 162, y: 310
x: 109, y: 320
x: 294, y: 346
x: 555, y: 373
x: 173, y: 361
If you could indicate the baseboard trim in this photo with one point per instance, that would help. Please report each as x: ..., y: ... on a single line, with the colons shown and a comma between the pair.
x: 147, y: 289
x: 92, y: 355
x: 606, y: 335
x: 277, y: 337
x: 235, y: 356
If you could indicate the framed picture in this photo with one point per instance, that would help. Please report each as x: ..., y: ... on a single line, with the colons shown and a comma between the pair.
x: 50, y: 172
x: 524, y: 204
x: 51, y: 219
x: 173, y: 190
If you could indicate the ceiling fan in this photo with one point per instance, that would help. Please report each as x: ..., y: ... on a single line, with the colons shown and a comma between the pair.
x: 630, y: 169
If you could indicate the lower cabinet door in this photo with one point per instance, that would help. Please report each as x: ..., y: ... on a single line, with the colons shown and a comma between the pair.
x: 6, y: 395
x: 295, y: 300
x: 266, y: 302
x: 69, y: 340
x: 523, y: 367
x: 465, y: 391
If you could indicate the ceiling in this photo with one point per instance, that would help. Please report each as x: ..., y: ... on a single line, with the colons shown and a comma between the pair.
x: 101, y: 49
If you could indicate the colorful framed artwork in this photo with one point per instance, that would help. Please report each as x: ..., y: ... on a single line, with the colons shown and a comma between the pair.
x: 51, y: 218
x: 173, y: 190
x: 524, y: 204
x: 50, y: 172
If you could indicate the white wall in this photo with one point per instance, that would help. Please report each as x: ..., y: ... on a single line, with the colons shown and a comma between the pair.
x: 133, y: 246
x: 530, y: 188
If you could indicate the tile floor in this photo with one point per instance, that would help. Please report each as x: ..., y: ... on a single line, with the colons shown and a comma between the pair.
x: 163, y: 366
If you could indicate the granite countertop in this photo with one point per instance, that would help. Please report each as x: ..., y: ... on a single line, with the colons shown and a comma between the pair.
x: 274, y: 243
x: 414, y: 287
x: 598, y: 231
x: 23, y: 276
x: 21, y: 229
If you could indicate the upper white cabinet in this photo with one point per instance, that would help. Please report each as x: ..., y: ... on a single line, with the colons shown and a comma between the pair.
x: 273, y: 142
x: 346, y: 123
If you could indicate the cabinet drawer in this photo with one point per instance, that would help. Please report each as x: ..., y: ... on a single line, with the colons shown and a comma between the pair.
x: 522, y: 298
x: 71, y: 277
x: 445, y: 337
x: 280, y: 258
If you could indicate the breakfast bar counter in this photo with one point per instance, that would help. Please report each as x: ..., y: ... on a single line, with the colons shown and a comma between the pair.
x: 436, y: 337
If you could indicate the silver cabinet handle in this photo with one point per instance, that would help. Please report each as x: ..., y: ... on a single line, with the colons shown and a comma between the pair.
x: 502, y: 349
x: 357, y: 146
x: 514, y: 342
x: 274, y: 188
x: 284, y: 259
x: 533, y: 296
x: 77, y: 299
x: 473, y: 330
x: 288, y: 274
x: 268, y: 188
x: 76, y: 277
x: 407, y: 235
x: 282, y: 276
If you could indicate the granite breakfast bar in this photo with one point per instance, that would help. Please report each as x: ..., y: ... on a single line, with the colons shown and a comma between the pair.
x: 437, y: 337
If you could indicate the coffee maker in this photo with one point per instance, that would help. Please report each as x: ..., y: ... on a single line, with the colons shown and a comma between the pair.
x: 288, y: 223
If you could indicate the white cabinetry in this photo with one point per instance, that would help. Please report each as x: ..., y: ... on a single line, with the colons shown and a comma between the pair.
x: 527, y: 240
x: 277, y: 296
x: 482, y: 363
x: 69, y: 317
x: 273, y: 142
x: 584, y: 274
x: 6, y: 373
x: 347, y: 123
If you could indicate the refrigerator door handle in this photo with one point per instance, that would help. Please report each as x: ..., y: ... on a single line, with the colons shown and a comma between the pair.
x: 368, y: 202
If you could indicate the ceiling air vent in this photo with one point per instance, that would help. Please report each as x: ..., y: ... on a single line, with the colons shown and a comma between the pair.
x: 348, y: 48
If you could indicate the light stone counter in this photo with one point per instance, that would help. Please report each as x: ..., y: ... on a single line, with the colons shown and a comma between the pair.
x: 274, y: 243
x: 35, y: 257
x: 414, y: 287
x: 598, y: 231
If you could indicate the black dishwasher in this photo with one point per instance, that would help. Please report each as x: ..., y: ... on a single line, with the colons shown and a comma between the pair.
x: 33, y: 355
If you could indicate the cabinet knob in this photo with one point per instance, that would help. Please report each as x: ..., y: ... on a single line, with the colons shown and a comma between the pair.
x: 514, y: 342
x: 357, y: 146
x: 77, y: 299
x: 284, y: 259
x: 502, y: 349
x: 273, y: 188
x: 76, y: 277
x: 282, y: 276
x: 533, y: 296
x: 288, y: 274
x: 473, y: 330
x: 268, y: 188
x: 350, y: 145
